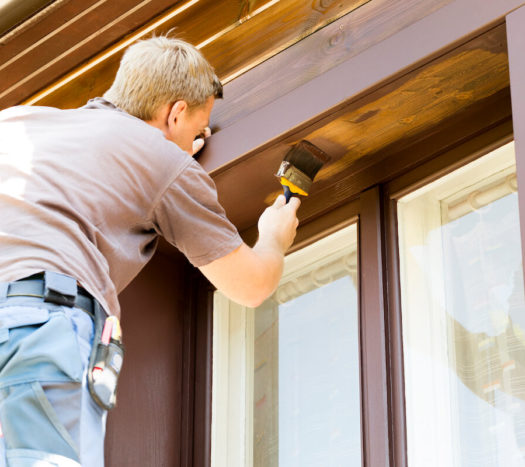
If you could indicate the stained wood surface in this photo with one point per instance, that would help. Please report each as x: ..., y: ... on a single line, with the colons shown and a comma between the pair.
x: 318, y: 101
x: 453, y: 87
x: 357, y: 31
x: 146, y: 428
x: 73, y: 33
x: 234, y: 36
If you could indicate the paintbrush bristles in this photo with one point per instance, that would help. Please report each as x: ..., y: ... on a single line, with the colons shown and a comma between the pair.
x: 306, y: 157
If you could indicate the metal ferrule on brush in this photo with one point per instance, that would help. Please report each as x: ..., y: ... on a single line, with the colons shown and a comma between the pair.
x: 294, y: 176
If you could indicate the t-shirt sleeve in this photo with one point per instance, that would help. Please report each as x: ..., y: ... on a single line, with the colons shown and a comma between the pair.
x: 189, y: 216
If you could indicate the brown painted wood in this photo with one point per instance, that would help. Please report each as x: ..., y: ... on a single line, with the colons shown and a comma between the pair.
x: 243, y: 33
x: 368, y: 138
x: 397, y: 426
x: 308, y: 104
x: 146, y: 427
x: 454, y: 156
x: 62, y: 40
x: 203, y: 293
x: 374, y: 379
x: 352, y: 34
x: 188, y: 375
x: 516, y: 41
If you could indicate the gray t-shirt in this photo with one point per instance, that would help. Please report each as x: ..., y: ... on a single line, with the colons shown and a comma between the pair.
x: 87, y: 192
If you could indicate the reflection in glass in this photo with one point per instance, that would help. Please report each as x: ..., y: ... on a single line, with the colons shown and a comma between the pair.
x: 464, y: 318
x: 306, y: 401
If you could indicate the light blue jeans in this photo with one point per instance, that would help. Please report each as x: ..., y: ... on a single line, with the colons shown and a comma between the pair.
x: 47, y: 415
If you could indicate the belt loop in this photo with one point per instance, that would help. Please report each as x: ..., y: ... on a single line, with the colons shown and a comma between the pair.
x: 4, y: 287
x: 60, y: 289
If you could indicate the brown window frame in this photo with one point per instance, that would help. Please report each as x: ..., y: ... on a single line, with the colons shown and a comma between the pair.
x: 459, y: 140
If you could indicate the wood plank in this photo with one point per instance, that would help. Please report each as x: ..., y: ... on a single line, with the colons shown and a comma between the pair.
x: 354, y: 33
x: 310, y: 104
x: 376, y: 126
x: 379, y: 168
x: 39, y: 55
x: 282, y: 25
x: 232, y: 35
x: 11, y: 45
x: 516, y: 44
x: 145, y: 427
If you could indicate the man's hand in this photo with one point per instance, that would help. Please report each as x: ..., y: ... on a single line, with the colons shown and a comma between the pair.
x: 278, y: 223
x: 198, y: 143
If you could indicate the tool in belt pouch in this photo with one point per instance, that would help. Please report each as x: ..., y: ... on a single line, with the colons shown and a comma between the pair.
x: 105, y: 361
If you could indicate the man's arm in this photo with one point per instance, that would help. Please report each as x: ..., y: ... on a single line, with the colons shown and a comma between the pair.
x: 250, y: 275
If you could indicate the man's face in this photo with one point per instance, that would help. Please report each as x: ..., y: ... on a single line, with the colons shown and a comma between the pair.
x: 190, y: 123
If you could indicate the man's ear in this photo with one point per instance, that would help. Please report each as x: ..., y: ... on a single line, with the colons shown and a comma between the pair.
x: 176, y: 110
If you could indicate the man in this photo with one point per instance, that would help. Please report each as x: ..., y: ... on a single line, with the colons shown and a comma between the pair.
x: 84, y: 195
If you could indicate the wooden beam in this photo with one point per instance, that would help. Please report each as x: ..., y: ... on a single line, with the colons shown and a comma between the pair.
x: 516, y: 46
x: 384, y: 132
x: 72, y: 33
x: 234, y: 36
x: 336, y: 43
x: 307, y: 105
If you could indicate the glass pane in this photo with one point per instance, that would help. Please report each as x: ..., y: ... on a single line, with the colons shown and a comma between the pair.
x: 306, y: 401
x: 464, y: 317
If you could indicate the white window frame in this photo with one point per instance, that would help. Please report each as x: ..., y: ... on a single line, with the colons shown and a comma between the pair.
x: 233, y: 350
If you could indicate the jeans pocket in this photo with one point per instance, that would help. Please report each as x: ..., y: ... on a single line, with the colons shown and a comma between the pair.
x: 45, y: 352
x: 30, y: 422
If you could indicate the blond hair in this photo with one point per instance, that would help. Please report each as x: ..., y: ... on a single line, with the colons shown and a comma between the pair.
x: 159, y: 71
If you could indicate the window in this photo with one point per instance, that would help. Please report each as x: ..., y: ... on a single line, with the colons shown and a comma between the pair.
x: 463, y: 315
x: 286, y: 374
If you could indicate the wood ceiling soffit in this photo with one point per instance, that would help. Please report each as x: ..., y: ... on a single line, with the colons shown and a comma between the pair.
x: 234, y: 36
x: 336, y: 43
x: 422, y: 99
x: 392, y: 116
x: 317, y: 102
x: 493, y: 115
x: 70, y: 34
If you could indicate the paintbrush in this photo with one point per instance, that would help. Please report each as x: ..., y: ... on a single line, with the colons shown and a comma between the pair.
x: 299, y: 168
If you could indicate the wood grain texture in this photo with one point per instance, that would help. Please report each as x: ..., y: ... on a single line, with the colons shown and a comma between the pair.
x: 387, y: 164
x: 316, y: 102
x: 234, y: 36
x: 71, y: 35
x: 472, y: 73
x: 357, y: 31
x: 454, y: 87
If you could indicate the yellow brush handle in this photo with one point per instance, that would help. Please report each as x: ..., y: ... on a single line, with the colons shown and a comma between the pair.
x: 293, y: 188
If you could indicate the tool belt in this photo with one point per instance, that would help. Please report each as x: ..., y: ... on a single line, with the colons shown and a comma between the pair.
x: 107, y: 352
x: 52, y: 288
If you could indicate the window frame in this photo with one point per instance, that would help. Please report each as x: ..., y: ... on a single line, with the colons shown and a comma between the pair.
x: 233, y: 347
x: 455, y: 145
